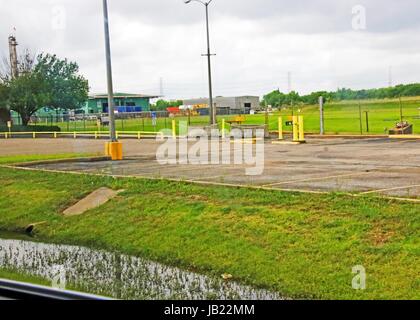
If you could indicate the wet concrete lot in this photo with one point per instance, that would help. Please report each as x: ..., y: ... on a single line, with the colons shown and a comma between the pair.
x: 383, y: 166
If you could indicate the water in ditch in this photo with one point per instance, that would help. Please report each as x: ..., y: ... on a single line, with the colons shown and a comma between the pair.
x: 118, y: 276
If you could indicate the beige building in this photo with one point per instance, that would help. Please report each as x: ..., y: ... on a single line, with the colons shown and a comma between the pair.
x: 226, y: 105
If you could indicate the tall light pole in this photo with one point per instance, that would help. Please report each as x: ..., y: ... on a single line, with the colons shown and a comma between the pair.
x: 113, y: 135
x: 212, y: 110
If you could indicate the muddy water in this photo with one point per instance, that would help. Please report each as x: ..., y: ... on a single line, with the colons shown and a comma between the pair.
x: 116, y: 275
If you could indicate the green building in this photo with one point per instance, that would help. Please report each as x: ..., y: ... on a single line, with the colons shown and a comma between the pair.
x: 96, y: 104
x: 124, y: 103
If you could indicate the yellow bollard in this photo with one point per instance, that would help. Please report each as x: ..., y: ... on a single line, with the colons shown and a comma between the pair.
x: 301, y: 130
x: 5, y: 135
x: 139, y: 135
x: 174, y: 129
x: 33, y: 135
x: 223, y: 128
x: 96, y: 135
x: 74, y: 135
x: 55, y: 135
x: 295, y: 129
x: 281, y: 128
x: 116, y: 151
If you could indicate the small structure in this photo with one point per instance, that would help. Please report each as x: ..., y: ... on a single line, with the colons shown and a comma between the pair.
x: 124, y: 103
x: 174, y: 110
x: 402, y: 127
x: 226, y: 105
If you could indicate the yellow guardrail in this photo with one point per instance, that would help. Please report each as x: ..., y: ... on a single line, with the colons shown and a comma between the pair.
x: 75, y: 134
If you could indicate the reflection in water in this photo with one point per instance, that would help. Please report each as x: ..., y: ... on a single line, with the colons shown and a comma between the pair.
x: 119, y: 276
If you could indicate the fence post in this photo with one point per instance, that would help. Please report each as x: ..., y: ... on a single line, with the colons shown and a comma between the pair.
x: 33, y: 135
x: 321, y: 116
x: 367, y: 121
x: 360, y: 119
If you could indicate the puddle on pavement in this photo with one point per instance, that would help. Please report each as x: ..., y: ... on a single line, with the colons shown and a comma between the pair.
x: 118, y: 276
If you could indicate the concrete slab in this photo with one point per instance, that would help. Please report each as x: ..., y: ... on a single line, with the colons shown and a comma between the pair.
x: 95, y: 199
x: 374, y: 165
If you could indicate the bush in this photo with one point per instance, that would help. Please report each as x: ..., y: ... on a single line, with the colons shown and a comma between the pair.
x: 4, y: 128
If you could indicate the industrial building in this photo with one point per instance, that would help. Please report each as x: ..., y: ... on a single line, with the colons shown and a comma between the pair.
x: 225, y: 105
x: 124, y: 102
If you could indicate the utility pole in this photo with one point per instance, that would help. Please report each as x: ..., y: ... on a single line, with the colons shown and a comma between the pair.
x: 212, y: 107
x: 13, y: 57
x: 321, y: 114
x: 113, y: 135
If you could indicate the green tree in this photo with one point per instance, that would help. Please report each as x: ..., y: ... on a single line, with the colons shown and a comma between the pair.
x: 27, y: 94
x: 162, y: 105
x: 68, y: 89
x: 4, y: 99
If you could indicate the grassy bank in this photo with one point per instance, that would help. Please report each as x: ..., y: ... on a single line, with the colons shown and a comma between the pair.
x: 302, y: 245
x: 40, y: 157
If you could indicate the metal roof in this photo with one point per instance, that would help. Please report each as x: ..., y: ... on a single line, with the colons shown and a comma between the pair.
x: 122, y: 95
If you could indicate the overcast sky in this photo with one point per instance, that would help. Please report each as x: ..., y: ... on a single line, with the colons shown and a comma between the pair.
x: 325, y: 44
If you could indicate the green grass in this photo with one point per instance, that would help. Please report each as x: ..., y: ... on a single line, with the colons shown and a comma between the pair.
x: 340, y: 117
x: 22, y: 277
x: 40, y: 157
x: 302, y: 245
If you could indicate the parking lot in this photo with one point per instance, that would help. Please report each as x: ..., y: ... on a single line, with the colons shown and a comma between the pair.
x: 369, y: 166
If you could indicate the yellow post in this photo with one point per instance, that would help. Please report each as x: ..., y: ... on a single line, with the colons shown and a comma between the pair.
x: 295, y: 129
x: 174, y: 129
x: 74, y: 135
x: 301, y: 130
x: 223, y: 128
x: 33, y: 135
x: 138, y: 135
x: 281, y: 128
x: 5, y: 135
x: 96, y: 135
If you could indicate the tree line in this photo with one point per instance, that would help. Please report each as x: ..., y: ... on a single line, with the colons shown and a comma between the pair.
x: 277, y: 98
x: 42, y: 81
x: 162, y: 105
